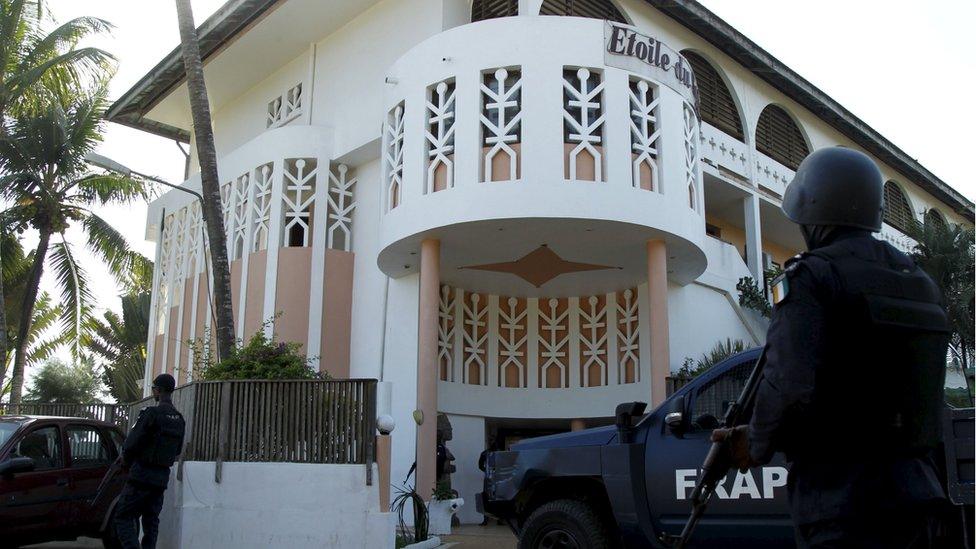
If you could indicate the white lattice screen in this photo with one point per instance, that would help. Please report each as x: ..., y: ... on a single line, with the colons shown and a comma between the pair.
x: 538, y: 342
x: 501, y: 122
x: 440, y: 137
x: 583, y: 117
x: 393, y: 157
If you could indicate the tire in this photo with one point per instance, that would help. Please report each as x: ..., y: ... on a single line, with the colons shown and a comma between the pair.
x: 564, y: 524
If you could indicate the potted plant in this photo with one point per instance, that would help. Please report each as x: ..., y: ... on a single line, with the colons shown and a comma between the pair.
x: 442, y: 507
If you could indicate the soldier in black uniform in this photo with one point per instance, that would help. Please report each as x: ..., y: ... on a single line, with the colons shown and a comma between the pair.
x: 852, y: 390
x: 149, y: 451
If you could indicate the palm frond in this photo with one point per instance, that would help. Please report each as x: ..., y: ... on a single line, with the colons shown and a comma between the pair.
x: 109, y: 187
x: 76, y: 296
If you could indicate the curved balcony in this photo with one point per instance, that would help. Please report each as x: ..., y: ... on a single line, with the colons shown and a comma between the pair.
x: 507, y: 137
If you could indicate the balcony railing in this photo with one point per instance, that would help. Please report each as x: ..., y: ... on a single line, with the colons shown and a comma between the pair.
x: 724, y: 151
x: 771, y: 175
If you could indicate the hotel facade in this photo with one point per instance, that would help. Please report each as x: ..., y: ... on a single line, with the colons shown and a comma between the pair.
x: 514, y: 213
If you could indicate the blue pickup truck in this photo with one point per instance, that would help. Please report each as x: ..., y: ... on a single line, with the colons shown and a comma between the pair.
x: 628, y: 485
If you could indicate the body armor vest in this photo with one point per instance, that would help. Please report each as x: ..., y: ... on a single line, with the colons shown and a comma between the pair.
x: 167, y: 437
x: 881, y: 388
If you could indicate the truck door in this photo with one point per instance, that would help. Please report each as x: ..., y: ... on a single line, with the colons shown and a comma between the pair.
x: 749, y: 509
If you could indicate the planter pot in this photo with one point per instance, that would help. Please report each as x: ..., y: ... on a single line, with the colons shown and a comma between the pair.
x: 440, y: 512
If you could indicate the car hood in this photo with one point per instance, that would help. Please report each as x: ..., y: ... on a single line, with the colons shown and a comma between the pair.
x: 597, y: 436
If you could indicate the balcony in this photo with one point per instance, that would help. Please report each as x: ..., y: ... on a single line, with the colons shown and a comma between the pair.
x: 508, y: 135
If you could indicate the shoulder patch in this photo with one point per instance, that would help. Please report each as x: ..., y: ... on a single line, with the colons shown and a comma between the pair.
x: 781, y: 285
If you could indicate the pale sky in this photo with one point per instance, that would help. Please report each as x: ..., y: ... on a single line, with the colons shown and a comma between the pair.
x: 898, y: 65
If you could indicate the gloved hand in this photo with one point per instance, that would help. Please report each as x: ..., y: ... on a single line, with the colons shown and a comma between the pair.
x: 738, y: 444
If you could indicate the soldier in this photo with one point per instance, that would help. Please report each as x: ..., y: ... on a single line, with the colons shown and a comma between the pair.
x: 149, y: 451
x: 852, y: 389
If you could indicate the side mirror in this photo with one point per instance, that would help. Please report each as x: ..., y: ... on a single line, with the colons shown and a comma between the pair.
x: 675, y: 418
x: 624, y: 418
x: 16, y: 465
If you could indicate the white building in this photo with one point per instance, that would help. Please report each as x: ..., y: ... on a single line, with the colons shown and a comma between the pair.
x: 509, y: 209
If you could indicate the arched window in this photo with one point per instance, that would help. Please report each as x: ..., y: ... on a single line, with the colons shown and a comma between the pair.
x: 597, y: 9
x: 935, y: 218
x: 897, y: 212
x: 778, y: 137
x: 715, y: 102
x: 490, y: 9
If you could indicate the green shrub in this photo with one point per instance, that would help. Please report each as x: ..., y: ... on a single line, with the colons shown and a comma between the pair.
x: 721, y: 351
x: 263, y: 358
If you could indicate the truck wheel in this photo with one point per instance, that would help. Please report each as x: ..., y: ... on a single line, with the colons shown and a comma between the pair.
x: 563, y: 524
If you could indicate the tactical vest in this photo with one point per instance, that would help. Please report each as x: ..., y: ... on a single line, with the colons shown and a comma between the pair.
x: 166, y: 437
x: 881, y: 389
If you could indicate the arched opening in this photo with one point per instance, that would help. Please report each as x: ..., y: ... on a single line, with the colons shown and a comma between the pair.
x: 490, y: 9
x: 715, y: 103
x: 897, y: 210
x: 934, y: 218
x: 597, y: 9
x: 778, y: 137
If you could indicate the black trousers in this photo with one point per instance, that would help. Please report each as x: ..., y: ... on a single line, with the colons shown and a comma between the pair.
x: 138, y: 501
x: 914, y: 528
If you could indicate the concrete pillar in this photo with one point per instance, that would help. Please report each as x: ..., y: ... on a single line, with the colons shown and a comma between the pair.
x: 577, y: 424
x: 657, y: 291
x: 753, y: 225
x: 384, y: 445
x: 430, y: 258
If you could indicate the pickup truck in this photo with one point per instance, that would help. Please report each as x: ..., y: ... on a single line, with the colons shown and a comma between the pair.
x: 628, y: 485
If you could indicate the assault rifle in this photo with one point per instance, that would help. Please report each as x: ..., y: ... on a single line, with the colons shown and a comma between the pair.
x: 717, y: 463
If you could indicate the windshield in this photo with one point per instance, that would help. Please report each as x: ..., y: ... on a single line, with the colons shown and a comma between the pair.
x: 7, y: 430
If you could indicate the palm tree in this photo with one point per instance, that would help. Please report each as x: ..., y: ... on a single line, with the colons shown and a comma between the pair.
x: 15, y: 271
x: 34, y: 65
x: 46, y: 178
x: 207, y: 155
x: 945, y: 252
x: 121, y: 343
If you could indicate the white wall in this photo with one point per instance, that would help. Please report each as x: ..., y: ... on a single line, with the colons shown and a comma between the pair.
x: 400, y: 368
x: 351, y: 65
x: 369, y: 282
x: 242, y: 119
x: 263, y: 505
x: 699, y: 317
x: 467, y: 444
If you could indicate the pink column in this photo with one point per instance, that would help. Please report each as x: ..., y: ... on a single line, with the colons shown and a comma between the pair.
x: 657, y: 290
x: 430, y: 258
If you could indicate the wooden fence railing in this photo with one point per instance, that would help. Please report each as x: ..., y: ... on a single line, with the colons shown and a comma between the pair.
x: 306, y: 421
x: 673, y: 383
x: 113, y: 413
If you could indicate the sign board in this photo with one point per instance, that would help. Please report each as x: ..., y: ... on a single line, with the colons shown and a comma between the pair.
x: 627, y: 48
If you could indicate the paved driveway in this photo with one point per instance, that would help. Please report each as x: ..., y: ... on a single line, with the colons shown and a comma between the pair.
x: 481, y: 537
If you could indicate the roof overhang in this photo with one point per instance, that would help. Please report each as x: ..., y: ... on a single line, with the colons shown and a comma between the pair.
x: 216, y: 33
x: 723, y: 36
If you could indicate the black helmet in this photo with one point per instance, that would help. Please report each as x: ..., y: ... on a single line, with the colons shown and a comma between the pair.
x: 165, y: 383
x: 836, y: 186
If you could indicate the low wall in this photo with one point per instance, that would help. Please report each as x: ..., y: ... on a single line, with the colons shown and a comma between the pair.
x: 263, y: 505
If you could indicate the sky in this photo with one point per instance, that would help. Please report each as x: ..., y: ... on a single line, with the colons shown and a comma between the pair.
x: 899, y: 65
